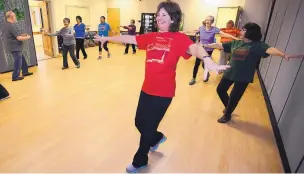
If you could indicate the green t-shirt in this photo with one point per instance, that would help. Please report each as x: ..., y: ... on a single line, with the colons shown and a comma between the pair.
x: 244, y: 59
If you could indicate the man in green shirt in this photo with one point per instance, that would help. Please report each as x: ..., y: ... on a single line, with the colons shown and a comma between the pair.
x: 245, y: 55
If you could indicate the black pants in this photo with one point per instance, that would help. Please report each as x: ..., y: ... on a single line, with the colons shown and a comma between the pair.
x: 71, y: 50
x: 150, y: 111
x: 197, y: 64
x: 80, y: 46
x: 127, y: 48
x: 230, y: 102
x: 105, y: 46
x: 3, y: 92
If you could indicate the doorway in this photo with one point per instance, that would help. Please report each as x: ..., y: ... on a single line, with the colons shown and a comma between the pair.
x: 114, y: 21
x: 40, y: 19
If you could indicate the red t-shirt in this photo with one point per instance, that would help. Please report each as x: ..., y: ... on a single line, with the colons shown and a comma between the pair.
x: 163, y: 50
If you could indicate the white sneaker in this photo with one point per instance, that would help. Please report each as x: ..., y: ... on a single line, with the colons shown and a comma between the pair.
x: 131, y: 169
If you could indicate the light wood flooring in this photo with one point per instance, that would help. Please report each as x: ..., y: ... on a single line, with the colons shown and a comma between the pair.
x: 82, y: 120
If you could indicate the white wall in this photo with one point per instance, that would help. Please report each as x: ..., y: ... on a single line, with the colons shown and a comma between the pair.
x: 257, y: 11
x: 195, y: 10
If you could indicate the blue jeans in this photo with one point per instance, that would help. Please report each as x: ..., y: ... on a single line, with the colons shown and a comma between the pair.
x: 19, y: 62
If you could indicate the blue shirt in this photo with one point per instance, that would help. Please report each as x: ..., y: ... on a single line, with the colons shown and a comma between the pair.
x: 103, y: 29
x: 80, y: 31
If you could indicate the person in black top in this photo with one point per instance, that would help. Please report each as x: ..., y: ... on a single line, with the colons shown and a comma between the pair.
x: 131, y: 31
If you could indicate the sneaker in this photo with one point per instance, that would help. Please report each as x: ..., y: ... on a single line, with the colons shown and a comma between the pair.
x: 131, y: 169
x: 78, y: 66
x: 192, y: 82
x: 1, y: 99
x: 109, y: 55
x: 63, y: 68
x: 154, y: 148
x: 99, y: 58
x: 85, y: 57
x: 224, y: 119
x: 27, y: 74
x: 18, y: 78
x: 134, y: 52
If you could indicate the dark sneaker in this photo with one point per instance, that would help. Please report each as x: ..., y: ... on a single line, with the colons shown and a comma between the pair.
x: 18, y: 78
x: 63, y: 68
x: 224, y: 119
x: 192, y: 82
x: 27, y: 74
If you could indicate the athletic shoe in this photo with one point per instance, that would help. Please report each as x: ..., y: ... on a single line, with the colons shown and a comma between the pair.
x: 192, y: 82
x: 78, y: 66
x: 99, y: 58
x: 18, y: 78
x: 154, y: 148
x: 224, y: 119
x: 27, y: 74
x: 109, y: 55
x: 1, y: 99
x: 63, y: 68
x: 131, y: 169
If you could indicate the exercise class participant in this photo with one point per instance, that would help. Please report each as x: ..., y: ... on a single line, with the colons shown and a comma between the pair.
x: 207, y: 34
x: 245, y: 55
x: 80, y: 29
x: 103, y: 31
x: 224, y: 57
x: 15, y: 41
x: 163, y: 50
x: 132, y: 32
x: 68, y: 45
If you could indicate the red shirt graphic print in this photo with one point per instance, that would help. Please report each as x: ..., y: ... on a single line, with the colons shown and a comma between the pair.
x: 163, y: 50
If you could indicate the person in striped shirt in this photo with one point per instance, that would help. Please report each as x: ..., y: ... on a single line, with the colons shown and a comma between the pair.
x: 224, y: 57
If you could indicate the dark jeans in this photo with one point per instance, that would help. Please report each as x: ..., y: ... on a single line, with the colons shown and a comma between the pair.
x: 80, y: 46
x: 149, y: 113
x: 230, y: 102
x: 71, y: 50
x: 3, y: 92
x: 19, y: 63
x: 127, y: 48
x: 105, y: 46
x: 197, y: 64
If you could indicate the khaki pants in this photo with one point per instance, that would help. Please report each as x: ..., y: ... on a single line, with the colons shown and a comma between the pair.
x: 224, y: 57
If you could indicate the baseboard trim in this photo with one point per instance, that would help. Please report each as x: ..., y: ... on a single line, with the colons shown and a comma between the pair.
x: 275, y: 126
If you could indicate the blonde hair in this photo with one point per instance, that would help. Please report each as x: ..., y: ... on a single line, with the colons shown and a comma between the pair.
x: 211, y: 18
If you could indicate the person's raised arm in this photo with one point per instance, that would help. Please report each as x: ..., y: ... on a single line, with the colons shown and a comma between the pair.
x: 228, y: 35
x: 198, y: 51
x: 214, y: 46
x: 276, y: 52
x: 123, y: 39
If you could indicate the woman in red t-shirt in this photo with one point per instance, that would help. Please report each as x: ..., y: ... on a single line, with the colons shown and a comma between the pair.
x: 163, y: 50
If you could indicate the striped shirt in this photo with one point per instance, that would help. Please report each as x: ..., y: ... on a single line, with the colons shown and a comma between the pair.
x: 232, y: 31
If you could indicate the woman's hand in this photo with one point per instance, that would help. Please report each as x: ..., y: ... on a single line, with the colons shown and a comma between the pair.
x: 290, y: 56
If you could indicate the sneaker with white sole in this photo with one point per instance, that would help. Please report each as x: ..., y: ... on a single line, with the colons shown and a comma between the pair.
x: 131, y: 169
x: 154, y: 148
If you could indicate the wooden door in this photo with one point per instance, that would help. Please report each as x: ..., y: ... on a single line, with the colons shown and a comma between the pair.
x: 224, y: 14
x: 114, y: 20
x: 47, y: 40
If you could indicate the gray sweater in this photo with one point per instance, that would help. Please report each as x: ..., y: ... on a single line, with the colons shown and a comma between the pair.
x: 67, y: 34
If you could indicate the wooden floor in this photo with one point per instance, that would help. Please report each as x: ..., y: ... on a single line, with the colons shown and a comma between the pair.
x: 82, y: 120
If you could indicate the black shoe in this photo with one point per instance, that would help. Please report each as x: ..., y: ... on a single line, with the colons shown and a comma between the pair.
x: 78, y: 66
x: 63, y: 68
x: 134, y: 52
x: 224, y: 119
x: 85, y: 57
x: 18, y: 78
x: 27, y: 74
